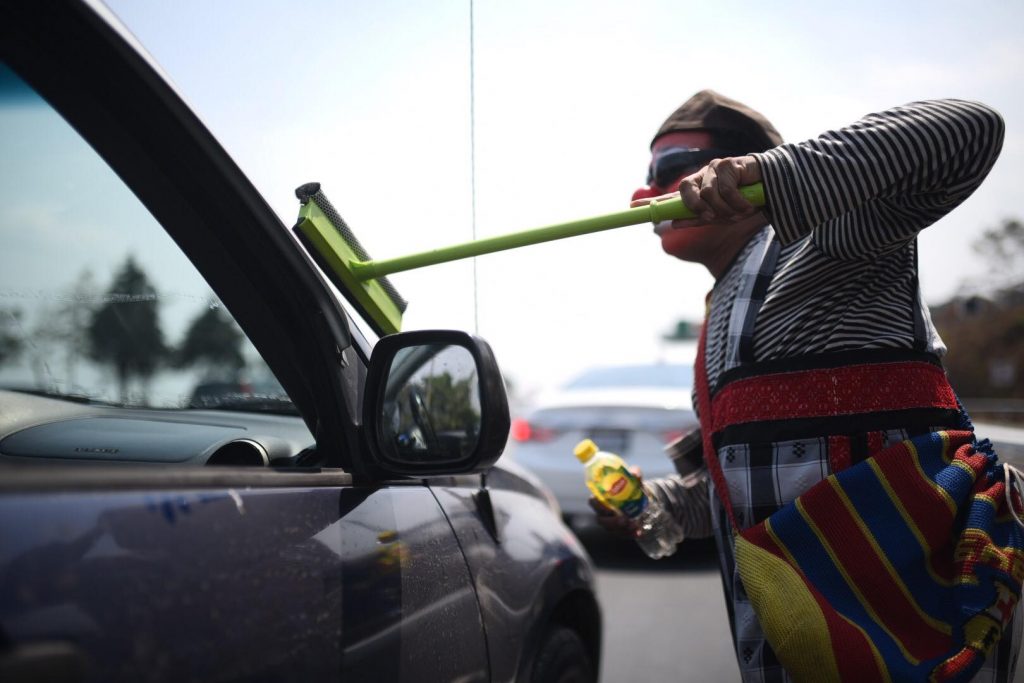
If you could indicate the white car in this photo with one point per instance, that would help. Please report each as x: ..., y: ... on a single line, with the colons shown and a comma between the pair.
x: 631, y: 410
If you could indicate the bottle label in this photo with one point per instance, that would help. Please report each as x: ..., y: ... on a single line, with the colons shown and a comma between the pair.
x: 618, y: 488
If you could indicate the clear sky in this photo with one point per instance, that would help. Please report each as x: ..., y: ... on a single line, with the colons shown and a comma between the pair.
x: 372, y: 99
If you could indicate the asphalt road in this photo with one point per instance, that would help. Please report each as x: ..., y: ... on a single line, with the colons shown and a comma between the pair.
x: 664, y: 620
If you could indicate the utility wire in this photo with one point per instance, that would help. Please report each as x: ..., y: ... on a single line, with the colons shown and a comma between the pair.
x: 472, y: 160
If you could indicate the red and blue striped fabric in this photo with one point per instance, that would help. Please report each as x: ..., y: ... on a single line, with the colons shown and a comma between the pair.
x: 904, y: 567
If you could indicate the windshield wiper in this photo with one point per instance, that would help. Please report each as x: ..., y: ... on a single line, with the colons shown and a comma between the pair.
x: 64, y: 396
x: 256, y: 403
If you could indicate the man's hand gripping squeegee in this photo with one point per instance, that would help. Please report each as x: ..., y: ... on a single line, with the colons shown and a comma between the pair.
x: 343, y: 258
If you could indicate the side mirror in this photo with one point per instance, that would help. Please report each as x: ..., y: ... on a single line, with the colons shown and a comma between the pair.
x: 434, y: 403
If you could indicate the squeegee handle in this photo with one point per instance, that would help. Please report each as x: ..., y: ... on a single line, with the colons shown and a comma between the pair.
x: 674, y: 209
x: 655, y: 212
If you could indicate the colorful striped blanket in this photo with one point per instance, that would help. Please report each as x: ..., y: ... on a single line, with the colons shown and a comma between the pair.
x: 904, y: 567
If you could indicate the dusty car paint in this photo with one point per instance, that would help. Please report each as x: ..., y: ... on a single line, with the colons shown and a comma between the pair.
x: 351, y: 580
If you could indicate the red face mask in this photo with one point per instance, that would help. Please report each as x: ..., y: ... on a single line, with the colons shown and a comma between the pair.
x: 674, y: 242
x: 647, y: 192
x: 675, y: 156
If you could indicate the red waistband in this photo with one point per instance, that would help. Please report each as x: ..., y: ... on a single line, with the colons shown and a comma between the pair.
x: 832, y: 392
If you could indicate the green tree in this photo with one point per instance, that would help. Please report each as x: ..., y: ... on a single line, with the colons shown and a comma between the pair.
x: 11, y: 342
x: 684, y: 330
x: 984, y: 332
x: 62, y: 326
x: 214, y: 340
x: 125, y: 330
x: 1002, y: 248
x: 451, y: 401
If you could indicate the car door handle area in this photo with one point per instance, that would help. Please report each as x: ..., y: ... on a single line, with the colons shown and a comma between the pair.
x: 54, y: 661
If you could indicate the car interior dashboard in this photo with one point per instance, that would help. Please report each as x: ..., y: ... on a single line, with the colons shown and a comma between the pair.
x: 40, y: 429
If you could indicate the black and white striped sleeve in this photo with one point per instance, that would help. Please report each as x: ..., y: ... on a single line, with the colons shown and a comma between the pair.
x: 872, y: 186
x: 686, y: 499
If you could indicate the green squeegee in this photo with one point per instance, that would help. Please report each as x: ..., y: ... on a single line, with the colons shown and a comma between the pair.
x: 365, y: 279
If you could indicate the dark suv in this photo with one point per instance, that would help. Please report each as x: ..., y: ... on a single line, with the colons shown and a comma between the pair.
x: 348, y: 525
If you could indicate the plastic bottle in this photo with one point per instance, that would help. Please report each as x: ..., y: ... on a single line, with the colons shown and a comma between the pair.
x: 610, y: 481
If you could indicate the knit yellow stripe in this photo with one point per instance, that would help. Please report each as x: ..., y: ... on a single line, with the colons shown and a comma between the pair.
x: 908, y: 521
x: 991, y: 500
x: 947, y: 457
x: 879, y: 661
x: 940, y: 626
x: 849, y: 582
x: 960, y: 464
x: 790, y: 616
x: 943, y: 493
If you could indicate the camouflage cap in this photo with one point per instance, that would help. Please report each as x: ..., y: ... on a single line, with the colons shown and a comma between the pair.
x: 734, y: 124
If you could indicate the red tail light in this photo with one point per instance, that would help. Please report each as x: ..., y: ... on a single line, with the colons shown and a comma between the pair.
x: 671, y: 436
x: 520, y: 430
x: 523, y: 431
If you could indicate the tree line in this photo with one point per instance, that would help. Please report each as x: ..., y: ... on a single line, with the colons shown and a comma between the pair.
x: 120, y: 330
x: 983, y: 326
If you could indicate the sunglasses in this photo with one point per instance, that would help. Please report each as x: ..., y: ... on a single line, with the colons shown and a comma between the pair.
x: 675, y: 162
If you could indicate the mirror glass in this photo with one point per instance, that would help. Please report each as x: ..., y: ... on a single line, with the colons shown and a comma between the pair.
x: 431, y: 408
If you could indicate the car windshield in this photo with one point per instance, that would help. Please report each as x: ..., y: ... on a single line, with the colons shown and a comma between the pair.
x: 667, y: 376
x: 97, y: 303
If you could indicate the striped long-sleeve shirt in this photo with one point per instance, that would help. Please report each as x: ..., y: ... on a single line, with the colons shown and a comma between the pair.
x: 847, y: 207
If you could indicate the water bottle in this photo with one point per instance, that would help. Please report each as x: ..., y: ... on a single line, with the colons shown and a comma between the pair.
x: 610, y: 481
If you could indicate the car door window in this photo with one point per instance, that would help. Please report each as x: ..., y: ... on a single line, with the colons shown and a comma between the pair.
x: 98, y: 305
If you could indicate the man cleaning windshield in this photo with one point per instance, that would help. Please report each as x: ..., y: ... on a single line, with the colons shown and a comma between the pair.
x: 822, y: 282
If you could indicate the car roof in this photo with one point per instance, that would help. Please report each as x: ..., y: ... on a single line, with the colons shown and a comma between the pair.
x: 661, y: 386
x: 641, y: 397
x: 648, y: 375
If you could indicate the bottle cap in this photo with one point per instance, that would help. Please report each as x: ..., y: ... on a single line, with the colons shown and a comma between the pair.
x: 584, y: 449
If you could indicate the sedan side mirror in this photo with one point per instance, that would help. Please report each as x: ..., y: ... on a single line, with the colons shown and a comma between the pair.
x: 434, y: 403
